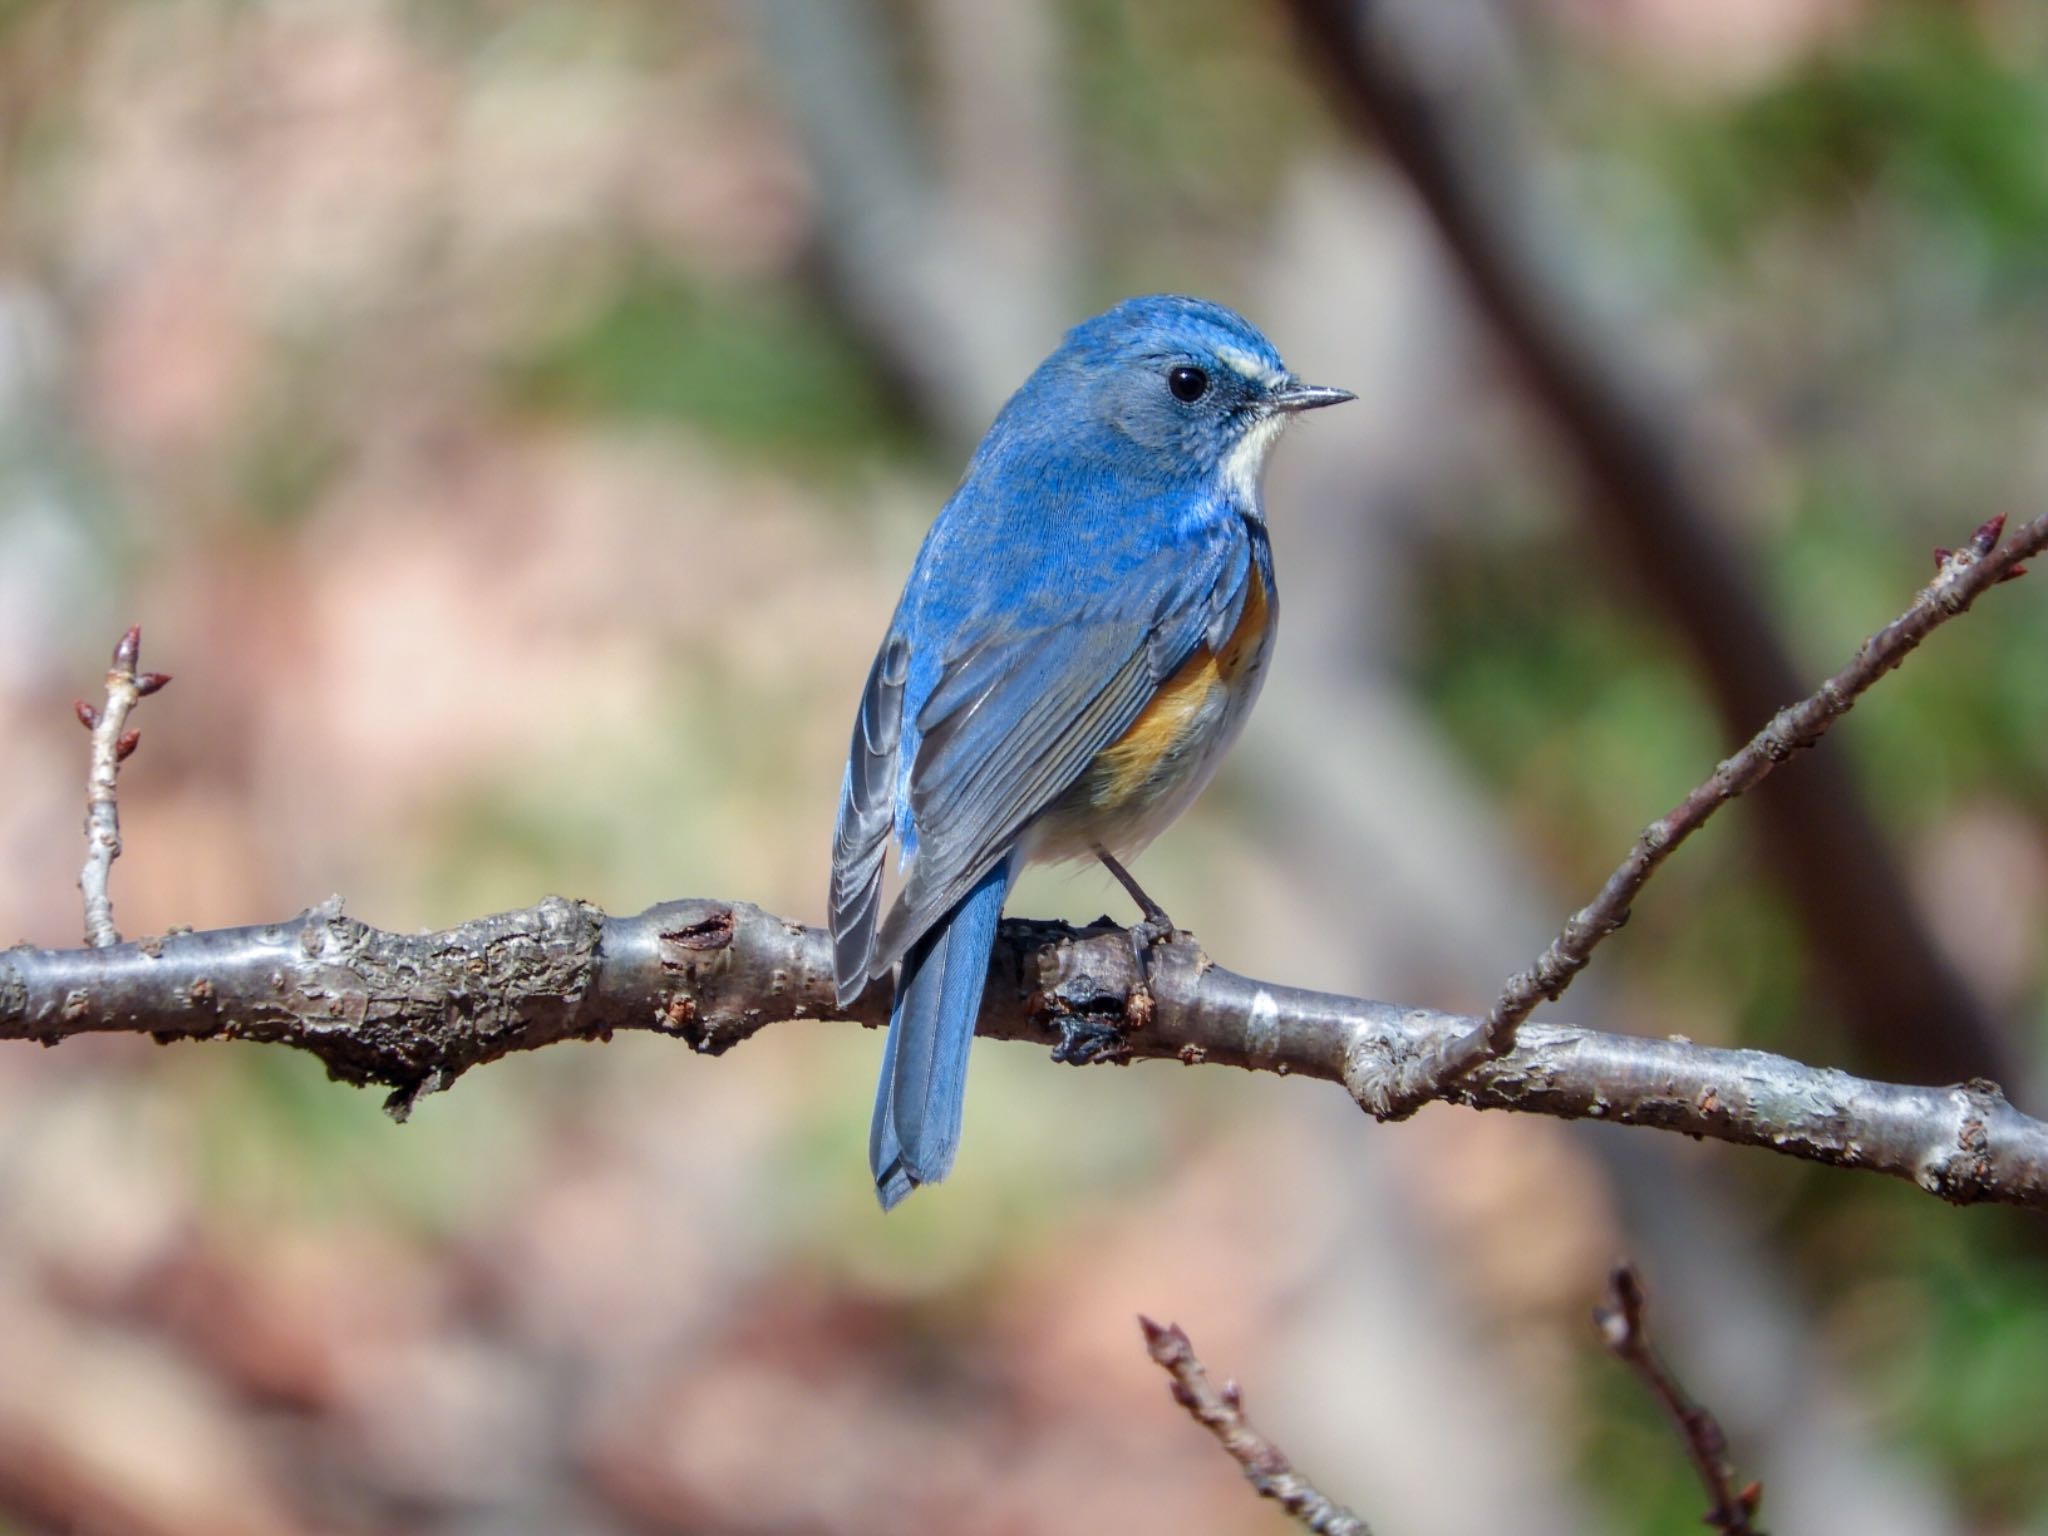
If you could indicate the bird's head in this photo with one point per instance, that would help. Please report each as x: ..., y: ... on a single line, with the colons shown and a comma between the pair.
x: 1182, y: 388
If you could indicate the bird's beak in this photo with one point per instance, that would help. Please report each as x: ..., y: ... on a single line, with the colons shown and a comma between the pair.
x: 1294, y: 395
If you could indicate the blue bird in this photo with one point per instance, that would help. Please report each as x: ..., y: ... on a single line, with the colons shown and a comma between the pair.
x: 1082, y: 635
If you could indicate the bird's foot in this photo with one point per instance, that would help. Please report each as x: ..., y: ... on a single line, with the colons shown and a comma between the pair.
x: 1147, y: 936
x: 1154, y: 929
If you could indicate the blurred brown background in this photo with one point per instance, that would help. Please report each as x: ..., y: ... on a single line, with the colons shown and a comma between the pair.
x: 511, y: 423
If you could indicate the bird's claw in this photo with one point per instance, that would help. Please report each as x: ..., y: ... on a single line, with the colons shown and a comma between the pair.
x: 1147, y: 936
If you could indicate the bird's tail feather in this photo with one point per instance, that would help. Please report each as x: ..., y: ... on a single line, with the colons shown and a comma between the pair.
x: 916, y: 1128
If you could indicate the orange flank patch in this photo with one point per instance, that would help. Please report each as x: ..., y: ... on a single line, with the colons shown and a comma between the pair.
x: 1123, y: 768
x: 1251, y: 628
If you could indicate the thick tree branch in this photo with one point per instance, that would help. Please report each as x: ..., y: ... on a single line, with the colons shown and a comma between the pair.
x: 1220, y: 1410
x: 1625, y: 1329
x: 414, y: 1011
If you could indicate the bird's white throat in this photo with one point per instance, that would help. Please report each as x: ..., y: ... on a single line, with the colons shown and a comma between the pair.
x: 1244, y: 463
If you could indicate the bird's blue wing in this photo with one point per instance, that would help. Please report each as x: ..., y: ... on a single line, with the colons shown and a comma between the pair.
x: 1019, y: 711
x: 867, y: 811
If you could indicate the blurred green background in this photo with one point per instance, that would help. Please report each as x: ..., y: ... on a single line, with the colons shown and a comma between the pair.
x: 511, y: 423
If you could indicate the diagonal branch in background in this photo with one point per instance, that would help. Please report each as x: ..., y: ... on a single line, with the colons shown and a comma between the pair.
x: 912, y: 248
x: 112, y: 744
x: 1961, y: 576
x: 1409, y: 77
x: 415, y: 1011
x: 1220, y: 1410
x: 1625, y: 1330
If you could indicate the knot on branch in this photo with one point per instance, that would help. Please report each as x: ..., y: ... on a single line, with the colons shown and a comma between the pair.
x: 1393, y: 1074
x: 1088, y: 986
x: 689, y: 946
x: 413, y: 1014
x: 1092, y: 1018
x: 1959, y: 1168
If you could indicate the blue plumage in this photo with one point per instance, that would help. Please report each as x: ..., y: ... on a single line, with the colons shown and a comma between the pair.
x: 924, y: 1061
x: 1082, y: 633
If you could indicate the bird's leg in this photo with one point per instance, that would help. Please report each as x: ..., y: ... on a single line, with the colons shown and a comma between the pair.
x: 1157, y: 928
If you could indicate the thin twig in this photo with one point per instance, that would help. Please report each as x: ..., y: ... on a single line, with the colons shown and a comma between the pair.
x: 112, y: 743
x: 1622, y: 1325
x: 1221, y: 1412
x: 1961, y: 576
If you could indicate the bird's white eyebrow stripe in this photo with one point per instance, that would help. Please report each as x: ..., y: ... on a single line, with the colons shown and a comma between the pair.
x: 1242, y: 362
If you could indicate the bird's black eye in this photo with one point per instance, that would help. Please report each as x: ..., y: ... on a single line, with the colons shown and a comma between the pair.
x: 1188, y: 384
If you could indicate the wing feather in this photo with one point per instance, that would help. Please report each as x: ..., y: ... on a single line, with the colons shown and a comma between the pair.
x: 867, y: 803
x: 1018, y: 719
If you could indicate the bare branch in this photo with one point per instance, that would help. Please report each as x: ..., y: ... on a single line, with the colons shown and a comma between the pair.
x: 1623, y: 1326
x: 1961, y: 576
x: 112, y: 745
x: 1422, y: 81
x: 1221, y: 1412
x: 412, y: 1012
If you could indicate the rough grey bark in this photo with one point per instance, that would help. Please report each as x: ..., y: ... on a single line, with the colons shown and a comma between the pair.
x: 413, y: 1012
